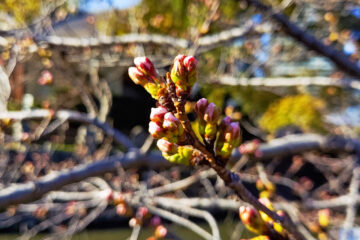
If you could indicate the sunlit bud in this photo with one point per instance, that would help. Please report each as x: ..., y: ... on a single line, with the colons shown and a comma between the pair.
x: 212, y: 113
x: 252, y: 220
x: 45, y: 78
x: 178, y: 67
x: 157, y: 114
x: 190, y: 63
x: 267, y: 203
x: 183, y: 155
x: 170, y: 121
x: 324, y: 217
x: 121, y: 209
x: 166, y: 146
x: 134, y: 222
x: 277, y: 226
x: 229, y: 137
x: 200, y: 107
x: 145, y: 65
x: 137, y: 76
x: 155, y: 130
x: 183, y: 72
x: 160, y: 231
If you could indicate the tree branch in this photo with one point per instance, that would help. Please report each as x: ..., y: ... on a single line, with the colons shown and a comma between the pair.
x: 337, y: 57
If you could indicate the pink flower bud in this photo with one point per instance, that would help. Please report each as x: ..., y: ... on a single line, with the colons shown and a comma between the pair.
x: 212, y: 113
x: 166, y: 146
x: 190, y: 63
x: 137, y: 76
x: 200, y: 107
x: 170, y: 121
x: 160, y: 231
x: 155, y: 130
x: 145, y: 65
x: 179, y: 64
x: 157, y: 114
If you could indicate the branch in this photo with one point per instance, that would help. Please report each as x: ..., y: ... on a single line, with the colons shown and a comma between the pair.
x: 33, y: 190
x: 206, y: 42
x: 73, y: 116
x: 299, y: 143
x: 286, y: 81
x: 342, y: 61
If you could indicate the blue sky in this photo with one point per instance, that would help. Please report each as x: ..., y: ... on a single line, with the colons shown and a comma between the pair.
x: 96, y: 6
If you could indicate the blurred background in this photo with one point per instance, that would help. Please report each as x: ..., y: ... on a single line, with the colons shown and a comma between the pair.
x: 275, y: 78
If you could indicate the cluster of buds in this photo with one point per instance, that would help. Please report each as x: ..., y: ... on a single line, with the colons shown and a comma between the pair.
x: 175, y: 153
x: 144, y: 74
x: 266, y: 188
x: 165, y: 125
x: 228, y: 139
x: 184, y: 73
x: 260, y: 223
x: 208, y: 115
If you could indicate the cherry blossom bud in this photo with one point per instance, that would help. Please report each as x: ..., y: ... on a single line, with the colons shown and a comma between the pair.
x: 157, y: 114
x: 137, y: 76
x: 145, y: 65
x: 212, y: 113
x: 183, y: 73
x: 155, y: 130
x: 190, y: 63
x: 228, y: 139
x: 134, y: 222
x: 324, y: 217
x: 252, y: 220
x: 121, y: 209
x: 160, y: 231
x: 166, y: 146
x: 200, y: 107
x: 45, y: 78
x: 170, y: 121
x: 267, y: 203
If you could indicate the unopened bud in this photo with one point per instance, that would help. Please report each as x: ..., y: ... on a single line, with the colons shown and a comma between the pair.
x: 137, y: 76
x: 157, y: 114
x: 190, y: 63
x: 145, y: 65
x: 155, y: 130
x: 166, y: 146
x: 200, y: 108
x: 324, y: 217
x: 160, y: 231
x: 252, y: 220
x: 183, y: 72
x: 170, y: 121
x: 212, y: 113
